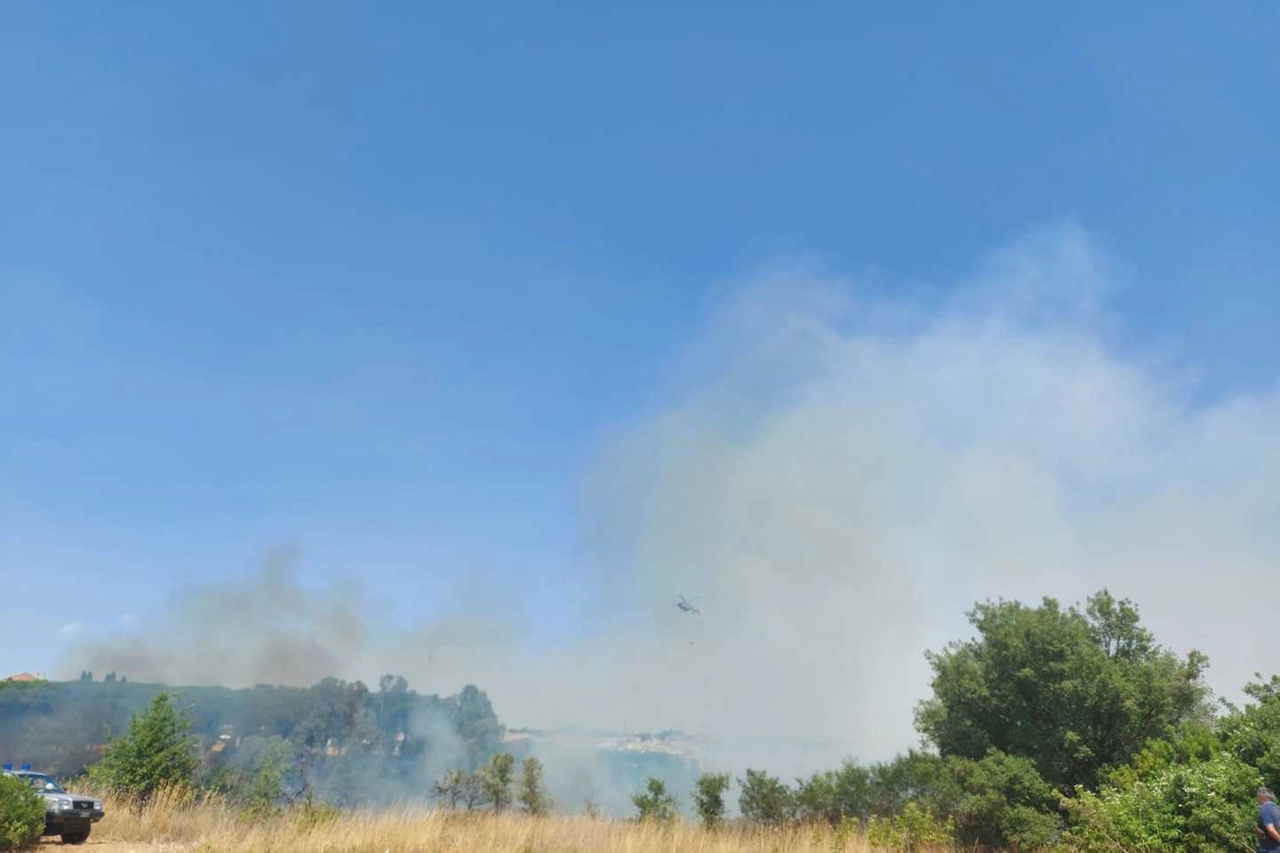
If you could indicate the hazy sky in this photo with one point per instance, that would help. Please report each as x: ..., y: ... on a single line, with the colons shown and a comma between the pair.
x: 512, y: 310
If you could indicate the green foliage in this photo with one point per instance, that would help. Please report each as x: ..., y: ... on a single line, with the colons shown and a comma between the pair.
x: 1078, y: 693
x: 1253, y: 734
x: 533, y: 794
x: 1191, y: 742
x: 708, y: 798
x: 1001, y: 802
x: 21, y: 814
x: 850, y: 792
x: 655, y: 804
x: 495, y: 781
x: 156, y: 751
x: 914, y: 776
x: 1199, y: 807
x: 915, y: 828
x: 765, y: 799
x: 814, y: 799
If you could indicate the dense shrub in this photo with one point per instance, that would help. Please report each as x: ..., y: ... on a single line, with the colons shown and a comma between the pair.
x: 914, y: 828
x: 655, y: 804
x: 1001, y: 802
x: 765, y: 799
x: 1198, y: 807
x: 21, y: 814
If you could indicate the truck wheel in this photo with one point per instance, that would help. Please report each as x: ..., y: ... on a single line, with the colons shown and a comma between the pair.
x: 75, y: 837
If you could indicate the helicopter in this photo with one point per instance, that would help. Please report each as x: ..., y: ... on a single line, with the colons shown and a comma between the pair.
x: 685, y: 605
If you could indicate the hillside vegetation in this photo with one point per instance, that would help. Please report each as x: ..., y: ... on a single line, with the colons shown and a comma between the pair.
x: 1051, y: 728
x: 353, y: 745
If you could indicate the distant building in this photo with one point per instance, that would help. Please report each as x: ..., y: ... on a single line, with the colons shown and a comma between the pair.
x: 25, y: 676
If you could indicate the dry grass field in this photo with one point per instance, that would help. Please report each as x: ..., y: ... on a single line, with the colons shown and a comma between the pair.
x: 174, y: 823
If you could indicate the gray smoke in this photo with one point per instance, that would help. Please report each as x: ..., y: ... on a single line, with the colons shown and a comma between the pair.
x: 264, y: 629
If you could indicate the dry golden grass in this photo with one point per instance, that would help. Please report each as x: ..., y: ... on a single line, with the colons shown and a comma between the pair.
x: 209, y: 825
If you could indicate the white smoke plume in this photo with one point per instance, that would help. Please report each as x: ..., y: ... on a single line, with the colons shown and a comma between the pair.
x: 845, y: 476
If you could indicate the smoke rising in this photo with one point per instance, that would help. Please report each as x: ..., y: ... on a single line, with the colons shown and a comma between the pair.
x: 848, y: 474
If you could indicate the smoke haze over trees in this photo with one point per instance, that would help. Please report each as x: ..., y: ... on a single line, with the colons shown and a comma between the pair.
x: 832, y: 458
x: 354, y: 744
x: 1051, y: 726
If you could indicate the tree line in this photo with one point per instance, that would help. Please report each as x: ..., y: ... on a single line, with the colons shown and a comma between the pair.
x: 1051, y: 728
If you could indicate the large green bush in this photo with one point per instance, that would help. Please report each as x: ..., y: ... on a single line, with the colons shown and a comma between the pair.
x: 1001, y: 802
x: 1198, y: 807
x: 21, y: 814
x: 765, y: 799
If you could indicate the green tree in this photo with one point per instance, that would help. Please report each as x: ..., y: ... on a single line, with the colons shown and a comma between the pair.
x: 458, y: 788
x: 815, y: 799
x: 157, y: 750
x: 1075, y: 692
x: 765, y: 799
x: 655, y: 804
x: 496, y: 780
x: 533, y: 794
x: 708, y: 798
x: 836, y: 795
x: 21, y: 814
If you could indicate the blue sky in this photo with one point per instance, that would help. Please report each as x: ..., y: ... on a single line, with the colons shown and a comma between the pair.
x: 379, y: 279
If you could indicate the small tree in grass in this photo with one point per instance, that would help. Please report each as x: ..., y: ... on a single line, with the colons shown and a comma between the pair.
x: 265, y: 790
x: 156, y: 751
x: 765, y: 799
x: 496, y: 780
x: 655, y: 804
x: 459, y: 789
x: 708, y: 798
x: 533, y: 794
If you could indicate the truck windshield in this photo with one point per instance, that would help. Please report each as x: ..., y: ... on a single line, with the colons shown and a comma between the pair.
x: 41, y: 782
